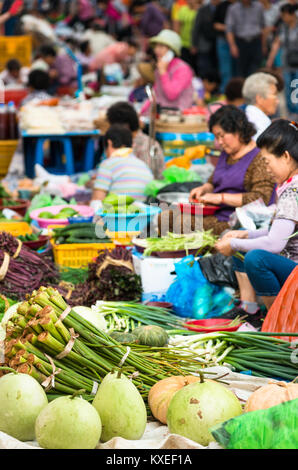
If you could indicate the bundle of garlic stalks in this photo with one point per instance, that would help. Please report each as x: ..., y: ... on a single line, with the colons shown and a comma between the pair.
x: 64, y: 352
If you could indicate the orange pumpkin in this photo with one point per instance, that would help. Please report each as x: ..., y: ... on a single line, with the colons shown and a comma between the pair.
x: 162, y: 392
x: 271, y: 394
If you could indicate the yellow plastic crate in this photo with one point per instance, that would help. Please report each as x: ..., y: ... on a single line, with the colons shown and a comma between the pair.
x: 78, y: 255
x: 7, y: 149
x: 16, y: 228
x: 16, y: 47
x: 122, y: 238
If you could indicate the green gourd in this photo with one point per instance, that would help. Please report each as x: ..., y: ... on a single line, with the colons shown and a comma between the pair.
x: 151, y: 335
x: 122, y: 337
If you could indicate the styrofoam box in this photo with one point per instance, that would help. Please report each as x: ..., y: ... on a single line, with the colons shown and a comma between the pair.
x: 155, y: 274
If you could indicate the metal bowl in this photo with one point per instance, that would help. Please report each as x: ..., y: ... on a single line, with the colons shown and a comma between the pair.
x: 173, y: 198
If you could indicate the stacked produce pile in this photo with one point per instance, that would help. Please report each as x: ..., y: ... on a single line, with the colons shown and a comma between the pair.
x: 201, y: 241
x: 21, y: 269
x: 119, y: 204
x: 110, y: 277
x: 78, y: 233
x: 125, y: 317
x: 262, y: 353
x: 46, y: 336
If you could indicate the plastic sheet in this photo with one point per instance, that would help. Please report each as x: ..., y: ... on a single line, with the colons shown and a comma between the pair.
x: 253, y: 216
x: 273, y: 428
x: 282, y: 316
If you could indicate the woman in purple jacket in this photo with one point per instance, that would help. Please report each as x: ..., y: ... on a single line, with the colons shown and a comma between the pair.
x: 240, y: 176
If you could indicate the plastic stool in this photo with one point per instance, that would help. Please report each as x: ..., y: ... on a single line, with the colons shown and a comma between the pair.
x: 66, y: 141
x: 33, y: 150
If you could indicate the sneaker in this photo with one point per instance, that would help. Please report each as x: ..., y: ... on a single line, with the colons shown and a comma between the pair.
x: 235, y: 312
x: 254, y: 319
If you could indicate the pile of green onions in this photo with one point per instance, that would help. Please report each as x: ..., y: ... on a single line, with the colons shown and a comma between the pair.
x: 199, y: 240
x: 40, y: 331
x: 126, y: 316
x: 263, y: 354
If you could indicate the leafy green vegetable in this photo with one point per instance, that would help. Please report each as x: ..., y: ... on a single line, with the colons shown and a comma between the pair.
x: 175, y: 242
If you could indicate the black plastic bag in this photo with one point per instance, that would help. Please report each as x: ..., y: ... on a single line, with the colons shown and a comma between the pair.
x: 180, y: 187
x: 218, y: 269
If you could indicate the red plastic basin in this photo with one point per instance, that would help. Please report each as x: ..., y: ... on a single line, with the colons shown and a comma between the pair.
x: 193, y: 209
x: 210, y: 324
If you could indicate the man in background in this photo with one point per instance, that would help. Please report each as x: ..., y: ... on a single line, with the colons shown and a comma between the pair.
x: 245, y: 28
x: 204, y: 38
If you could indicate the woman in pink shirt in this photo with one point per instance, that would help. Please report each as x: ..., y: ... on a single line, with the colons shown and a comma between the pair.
x: 173, y: 77
x: 117, y: 52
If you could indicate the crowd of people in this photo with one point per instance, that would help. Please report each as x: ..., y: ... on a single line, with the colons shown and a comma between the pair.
x: 239, y: 55
x: 192, y: 46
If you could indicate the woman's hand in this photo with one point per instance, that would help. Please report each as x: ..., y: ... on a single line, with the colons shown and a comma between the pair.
x: 162, y: 66
x: 210, y: 198
x: 224, y: 247
x: 196, y: 193
x: 235, y: 234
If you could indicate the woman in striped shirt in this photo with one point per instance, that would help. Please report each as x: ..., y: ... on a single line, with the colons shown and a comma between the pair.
x: 122, y: 172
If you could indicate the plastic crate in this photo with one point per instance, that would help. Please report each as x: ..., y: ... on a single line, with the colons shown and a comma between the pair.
x: 78, y: 255
x: 122, y: 238
x: 15, y: 47
x: 16, y: 228
x: 7, y: 149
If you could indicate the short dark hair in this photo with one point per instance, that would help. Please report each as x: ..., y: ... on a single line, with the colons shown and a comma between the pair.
x: 130, y: 42
x: 119, y: 135
x: 279, y: 137
x: 233, y: 120
x: 233, y: 90
x: 46, y: 51
x: 289, y: 8
x: 39, y: 80
x: 13, y: 64
x: 124, y: 114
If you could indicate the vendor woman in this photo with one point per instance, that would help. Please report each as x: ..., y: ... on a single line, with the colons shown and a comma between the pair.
x: 270, y: 255
x: 173, y: 77
x: 241, y: 174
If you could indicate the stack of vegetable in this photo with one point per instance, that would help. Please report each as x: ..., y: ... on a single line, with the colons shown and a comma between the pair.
x: 32, y: 237
x: 51, y: 342
x: 111, y: 277
x: 70, y: 422
x: 62, y: 214
x: 126, y: 316
x: 262, y: 353
x: 22, y: 269
x: 78, y: 233
x: 120, y: 204
x: 201, y: 241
